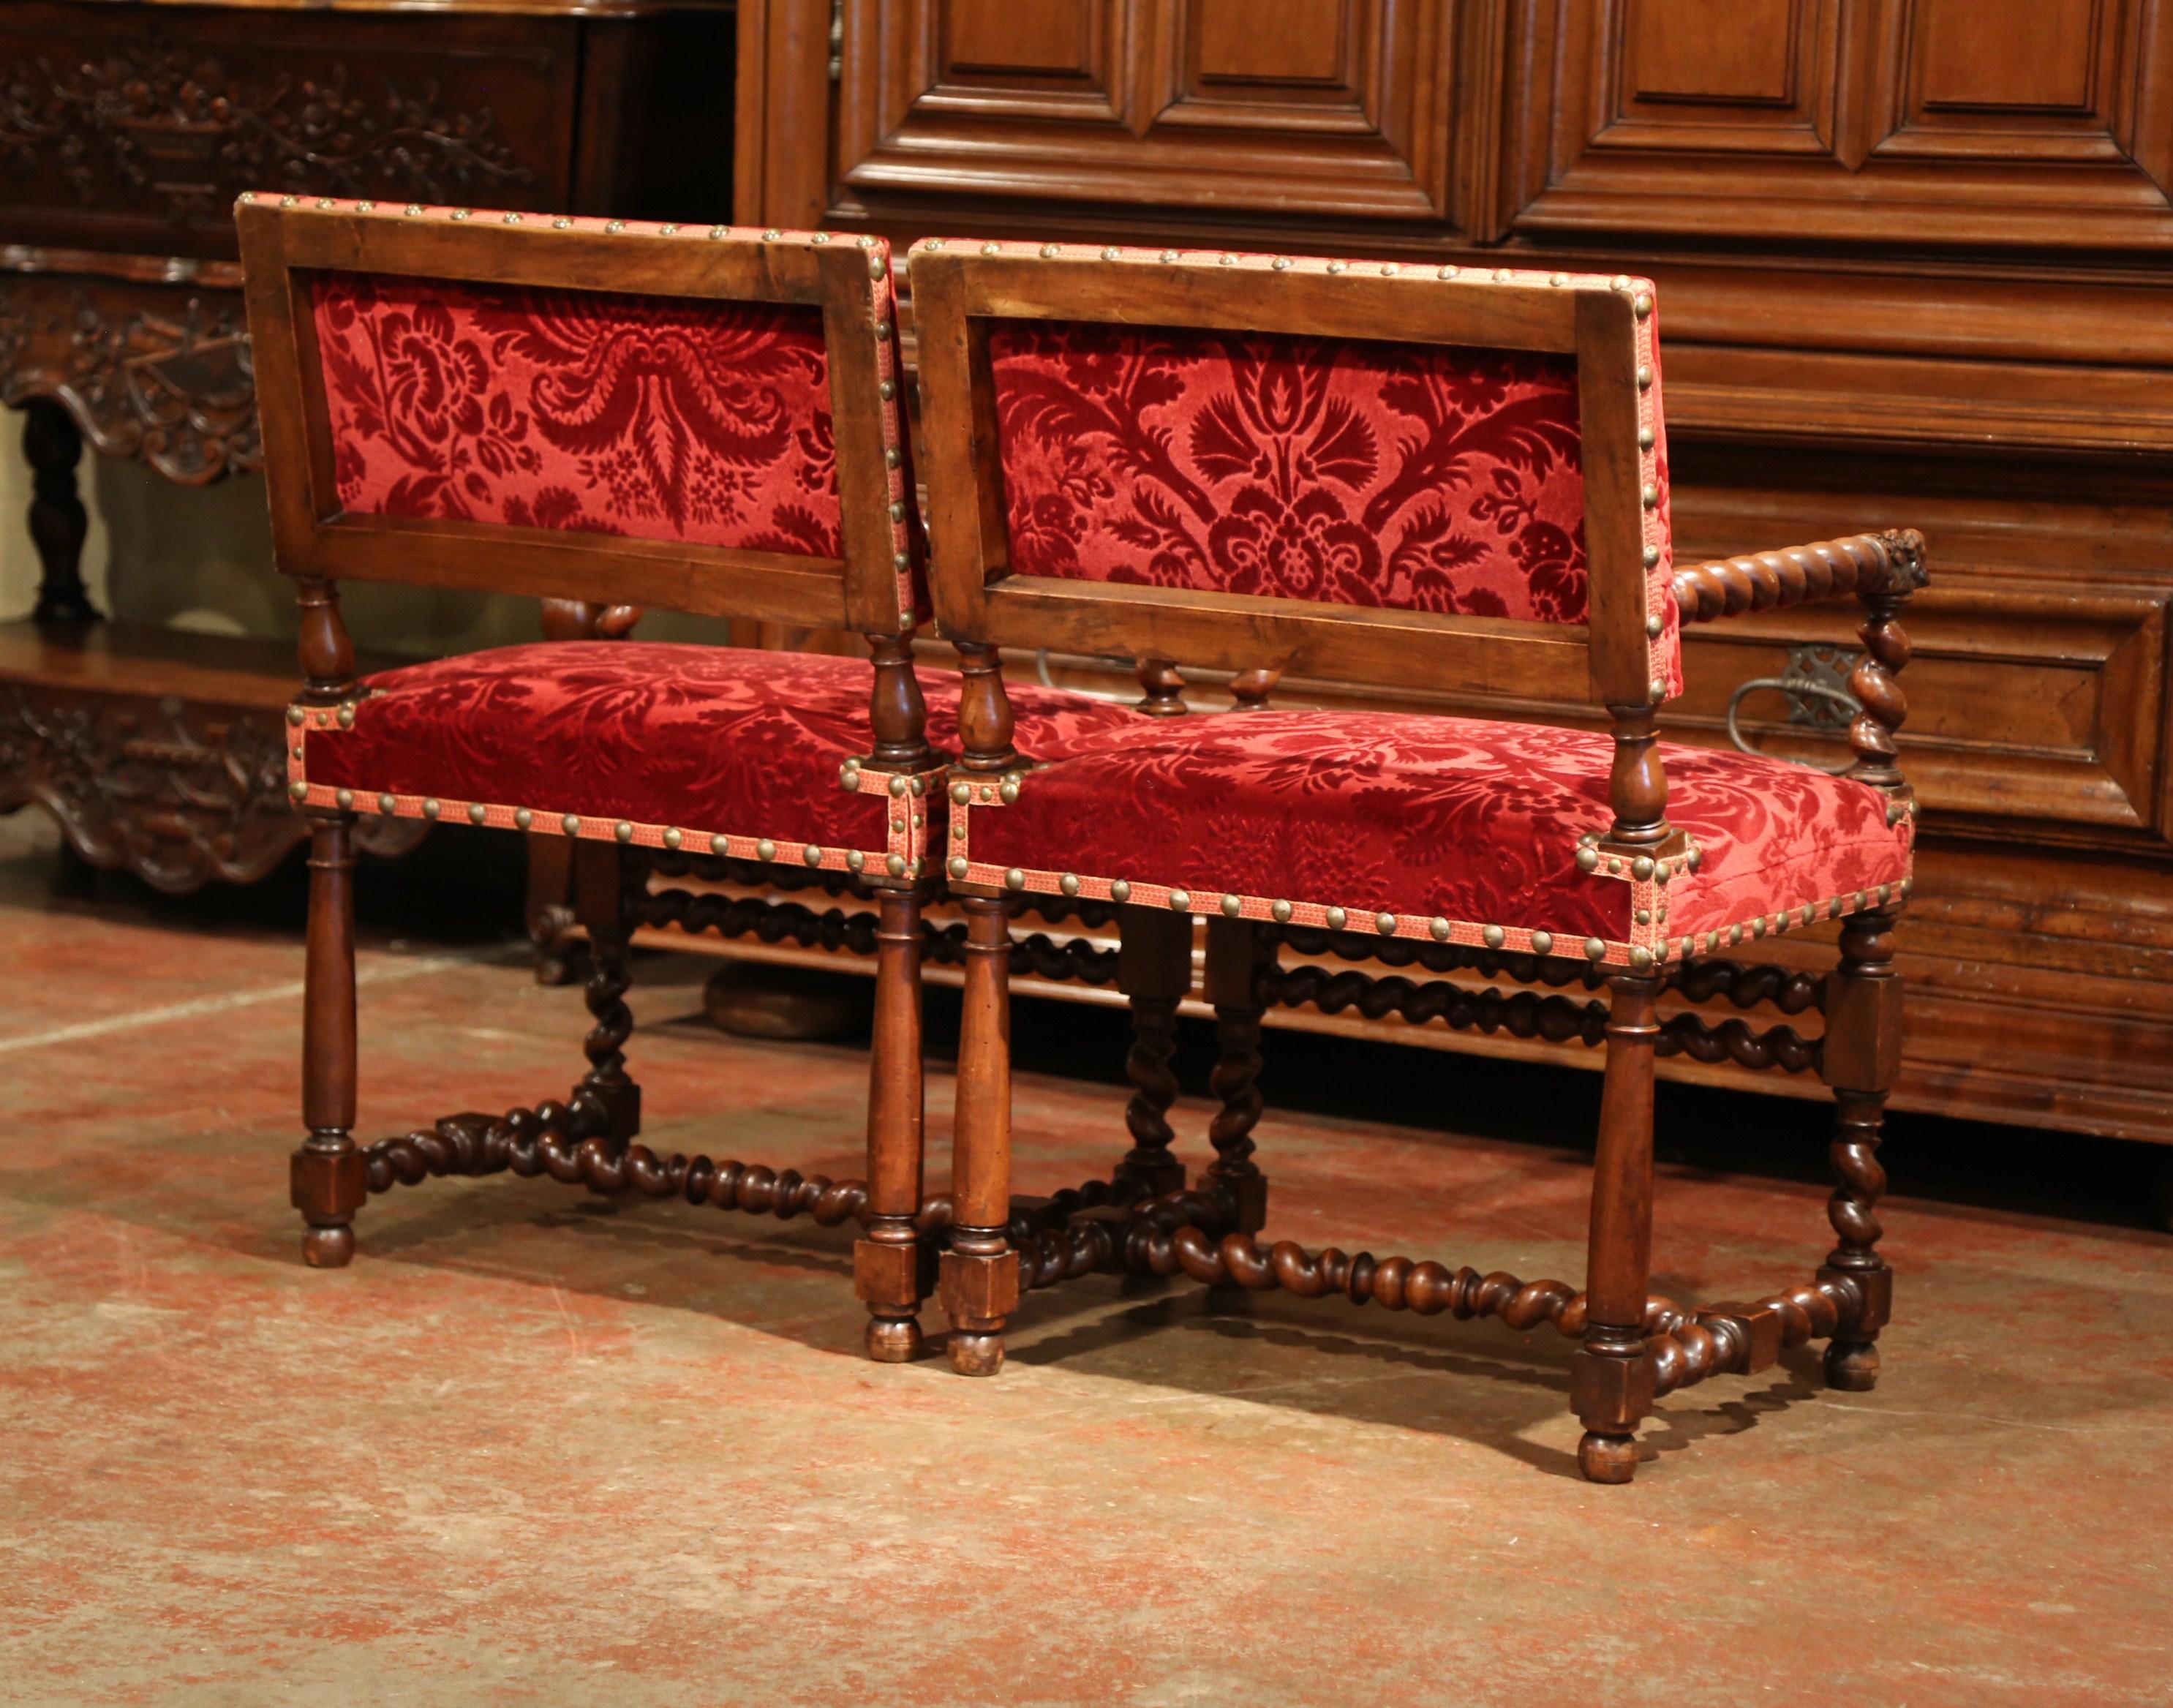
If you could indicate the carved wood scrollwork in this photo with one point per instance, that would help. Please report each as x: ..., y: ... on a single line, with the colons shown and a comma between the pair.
x: 178, y: 794
x: 157, y: 374
x: 170, y: 123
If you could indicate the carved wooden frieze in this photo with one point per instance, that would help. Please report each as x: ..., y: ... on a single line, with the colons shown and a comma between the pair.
x: 146, y: 371
x: 179, y: 125
x: 114, y: 137
x: 179, y: 794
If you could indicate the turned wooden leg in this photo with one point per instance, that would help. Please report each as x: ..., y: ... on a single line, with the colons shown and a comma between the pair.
x: 888, y: 1268
x: 1154, y: 970
x: 52, y: 445
x: 980, y: 1271
x: 1610, y: 1377
x: 602, y: 876
x: 1235, y: 951
x: 1862, y: 1057
x: 329, y: 1182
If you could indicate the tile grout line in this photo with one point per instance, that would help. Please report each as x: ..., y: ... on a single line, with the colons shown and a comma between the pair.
x: 291, y: 991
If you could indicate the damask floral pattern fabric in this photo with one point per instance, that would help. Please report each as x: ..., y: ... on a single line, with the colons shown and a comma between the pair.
x: 662, y: 419
x: 1467, y: 820
x: 1420, y: 476
x: 712, y: 738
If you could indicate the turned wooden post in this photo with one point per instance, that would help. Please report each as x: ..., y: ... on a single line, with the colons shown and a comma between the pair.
x: 1161, y: 689
x: 1860, y: 1061
x: 1154, y: 970
x: 604, y: 876
x: 1611, y: 1378
x: 1250, y: 688
x: 1236, y: 952
x: 891, y: 1262
x: 1637, y: 783
x: 52, y: 446
x: 979, y: 1282
x: 327, y: 1178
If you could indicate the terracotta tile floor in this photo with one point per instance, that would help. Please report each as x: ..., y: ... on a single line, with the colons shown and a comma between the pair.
x: 531, y: 1450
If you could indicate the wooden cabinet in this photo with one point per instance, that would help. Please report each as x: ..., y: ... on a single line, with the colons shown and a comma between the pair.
x: 1912, y: 268
x: 126, y: 129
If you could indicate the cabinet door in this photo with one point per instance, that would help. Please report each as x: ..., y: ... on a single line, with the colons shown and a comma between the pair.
x: 1913, y: 121
x: 1339, y: 108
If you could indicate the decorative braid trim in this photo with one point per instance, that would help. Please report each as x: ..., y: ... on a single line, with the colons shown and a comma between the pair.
x: 903, y: 854
x: 880, y: 326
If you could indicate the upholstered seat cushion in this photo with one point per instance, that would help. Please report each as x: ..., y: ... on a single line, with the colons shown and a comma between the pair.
x: 713, y: 748
x: 1451, y: 828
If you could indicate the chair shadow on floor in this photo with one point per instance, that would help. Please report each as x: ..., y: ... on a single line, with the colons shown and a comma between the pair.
x: 1494, y: 1390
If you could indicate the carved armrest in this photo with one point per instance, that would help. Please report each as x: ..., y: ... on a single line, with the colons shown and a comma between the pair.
x: 1867, y: 565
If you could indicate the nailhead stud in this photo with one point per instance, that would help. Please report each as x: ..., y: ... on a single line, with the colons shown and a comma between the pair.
x: 1179, y: 901
x: 719, y: 844
x: 387, y: 806
x: 299, y: 790
x: 1336, y: 917
x: 345, y: 799
x: 765, y: 849
x: 1492, y: 936
x: 957, y: 867
x: 1232, y: 907
x: 571, y: 824
x: 1069, y: 883
x: 1543, y: 942
x: 477, y: 812
x: 1014, y: 879
x: 1280, y: 912
x: 895, y: 865
x: 1594, y: 950
x: 1120, y: 890
x: 673, y: 839
x: 1385, y: 924
x: 810, y: 855
x: 431, y: 809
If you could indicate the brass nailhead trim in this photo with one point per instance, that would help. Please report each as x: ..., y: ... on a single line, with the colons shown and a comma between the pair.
x: 1594, y: 950
x: 1439, y: 927
x: 1179, y: 901
x: 477, y: 812
x: 1385, y: 924
x: 1492, y: 936
x: 522, y: 818
x: 1069, y: 884
x: 1280, y: 912
x: 1336, y: 919
x: 1543, y: 942
x: 431, y: 809
x: 1120, y: 890
x: 345, y: 798
x: 1232, y: 907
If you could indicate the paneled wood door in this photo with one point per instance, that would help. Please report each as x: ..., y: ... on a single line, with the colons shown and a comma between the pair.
x: 1339, y: 108
x: 1908, y: 121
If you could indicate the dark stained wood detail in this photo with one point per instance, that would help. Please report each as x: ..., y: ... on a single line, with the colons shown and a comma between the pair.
x: 327, y: 1171
x: 1154, y: 970
x: 52, y: 446
x: 1161, y: 689
x: 1862, y: 1059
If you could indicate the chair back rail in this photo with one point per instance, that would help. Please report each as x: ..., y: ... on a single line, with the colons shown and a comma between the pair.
x: 583, y: 267
x: 969, y: 300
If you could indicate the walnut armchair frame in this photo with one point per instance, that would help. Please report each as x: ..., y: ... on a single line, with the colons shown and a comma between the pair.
x: 594, y: 585
x: 1632, y: 1347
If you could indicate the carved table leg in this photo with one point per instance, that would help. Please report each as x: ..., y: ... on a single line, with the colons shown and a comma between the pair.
x: 1154, y: 970
x: 52, y: 446
x: 980, y: 1271
x: 1610, y: 1377
x: 329, y: 1180
x: 1862, y: 1057
x: 1235, y: 948
x: 887, y: 1260
x: 603, y: 876
x: 549, y: 911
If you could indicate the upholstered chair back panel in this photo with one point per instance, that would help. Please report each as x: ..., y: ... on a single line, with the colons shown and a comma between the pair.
x: 1431, y: 478
x: 667, y: 418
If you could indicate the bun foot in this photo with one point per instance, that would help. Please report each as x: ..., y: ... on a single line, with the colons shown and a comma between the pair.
x: 893, y: 1340
x: 328, y: 1247
x: 974, y: 1353
x: 1852, y: 1365
x: 1607, y: 1458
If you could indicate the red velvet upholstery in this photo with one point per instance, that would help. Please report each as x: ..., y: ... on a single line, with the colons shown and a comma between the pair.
x: 1473, y: 822
x: 707, y: 740
x: 702, y: 421
x: 1422, y: 477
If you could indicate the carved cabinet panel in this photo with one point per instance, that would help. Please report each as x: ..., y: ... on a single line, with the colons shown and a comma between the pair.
x: 140, y: 137
x: 1338, y: 107
x: 1908, y: 121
